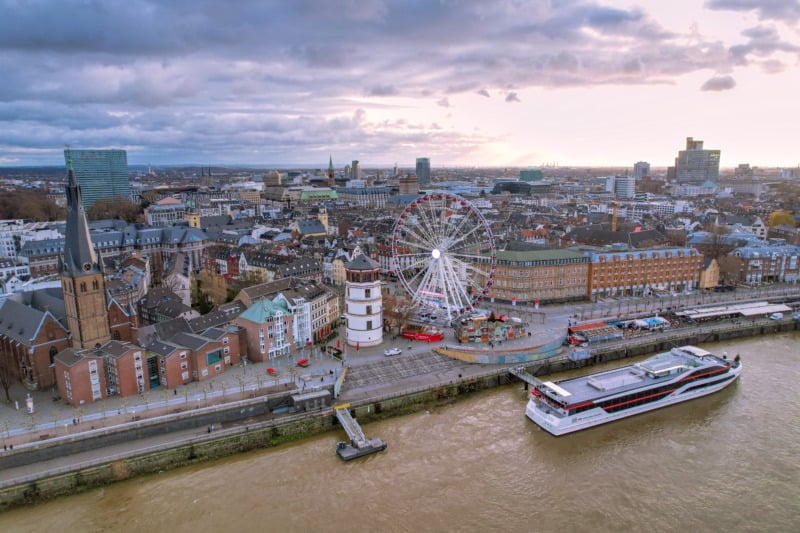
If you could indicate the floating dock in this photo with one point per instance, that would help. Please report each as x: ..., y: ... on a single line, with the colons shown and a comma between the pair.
x: 359, y: 445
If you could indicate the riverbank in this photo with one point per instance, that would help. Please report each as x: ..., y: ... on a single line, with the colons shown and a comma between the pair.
x: 240, y: 429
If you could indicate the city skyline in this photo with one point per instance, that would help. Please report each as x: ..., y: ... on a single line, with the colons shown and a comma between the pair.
x: 466, y: 84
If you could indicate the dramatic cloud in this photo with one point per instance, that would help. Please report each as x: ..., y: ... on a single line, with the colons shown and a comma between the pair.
x: 719, y: 83
x: 274, y: 81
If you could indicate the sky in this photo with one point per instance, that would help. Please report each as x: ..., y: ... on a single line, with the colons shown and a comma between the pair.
x: 463, y: 82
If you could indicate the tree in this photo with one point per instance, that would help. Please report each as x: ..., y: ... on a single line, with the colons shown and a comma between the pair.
x: 781, y: 217
x: 118, y: 207
x: 717, y: 244
x: 29, y: 204
x: 398, y: 310
x: 7, y: 375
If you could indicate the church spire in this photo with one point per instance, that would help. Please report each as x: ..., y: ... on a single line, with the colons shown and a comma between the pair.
x: 79, y: 254
x: 331, y: 181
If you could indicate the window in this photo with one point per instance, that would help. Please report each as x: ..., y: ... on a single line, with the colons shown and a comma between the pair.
x: 367, y: 293
x: 184, y: 366
x: 369, y: 324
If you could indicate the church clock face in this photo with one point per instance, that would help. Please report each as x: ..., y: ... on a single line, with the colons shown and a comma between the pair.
x: 87, y: 267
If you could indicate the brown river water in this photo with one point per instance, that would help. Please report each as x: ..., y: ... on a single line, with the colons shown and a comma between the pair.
x: 726, y: 462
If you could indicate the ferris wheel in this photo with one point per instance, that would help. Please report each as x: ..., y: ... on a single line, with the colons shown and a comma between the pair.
x: 443, y: 252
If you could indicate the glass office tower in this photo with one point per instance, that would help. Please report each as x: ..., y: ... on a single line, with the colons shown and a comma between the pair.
x: 100, y: 174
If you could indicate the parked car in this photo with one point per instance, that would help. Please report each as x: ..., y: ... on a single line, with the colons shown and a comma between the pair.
x: 776, y: 316
x: 392, y: 351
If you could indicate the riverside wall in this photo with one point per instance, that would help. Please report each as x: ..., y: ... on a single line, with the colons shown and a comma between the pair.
x: 268, y: 433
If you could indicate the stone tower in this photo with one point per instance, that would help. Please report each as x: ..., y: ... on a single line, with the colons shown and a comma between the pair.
x: 81, y: 274
x: 363, y: 302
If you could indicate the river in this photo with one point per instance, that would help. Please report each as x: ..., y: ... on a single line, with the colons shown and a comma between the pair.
x: 727, y: 462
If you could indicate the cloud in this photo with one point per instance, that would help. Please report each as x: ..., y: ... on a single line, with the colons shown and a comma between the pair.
x: 382, y: 90
x: 241, y: 79
x: 719, y: 83
x: 784, y: 10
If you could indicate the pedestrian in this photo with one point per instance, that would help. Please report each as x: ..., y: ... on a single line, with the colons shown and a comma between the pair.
x: 175, y: 392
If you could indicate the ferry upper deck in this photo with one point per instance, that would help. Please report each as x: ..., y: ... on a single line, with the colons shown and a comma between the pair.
x: 657, y: 369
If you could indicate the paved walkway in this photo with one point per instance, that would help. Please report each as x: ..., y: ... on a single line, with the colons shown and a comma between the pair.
x: 52, y: 418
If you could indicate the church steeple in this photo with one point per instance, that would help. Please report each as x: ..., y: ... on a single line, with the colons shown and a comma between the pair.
x: 331, y: 180
x: 79, y: 255
x: 82, y: 283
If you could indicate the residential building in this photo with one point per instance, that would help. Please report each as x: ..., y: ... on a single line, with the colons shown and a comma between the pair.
x: 761, y: 263
x: 539, y: 276
x: 268, y: 329
x: 80, y: 376
x: 709, y: 274
x: 639, y: 272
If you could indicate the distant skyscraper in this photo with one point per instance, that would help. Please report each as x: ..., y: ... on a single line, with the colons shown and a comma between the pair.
x: 356, y: 170
x: 641, y: 169
x: 423, y: 171
x: 696, y: 165
x: 100, y: 174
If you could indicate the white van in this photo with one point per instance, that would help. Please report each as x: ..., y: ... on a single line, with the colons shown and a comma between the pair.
x: 776, y: 316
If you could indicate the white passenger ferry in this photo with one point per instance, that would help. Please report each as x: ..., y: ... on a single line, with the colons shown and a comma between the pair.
x: 664, y: 379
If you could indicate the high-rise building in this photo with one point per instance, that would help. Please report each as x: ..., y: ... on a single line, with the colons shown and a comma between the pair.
x: 100, y: 174
x: 82, y: 282
x: 641, y: 169
x: 624, y: 186
x: 355, y: 171
x: 423, y: 171
x: 696, y: 165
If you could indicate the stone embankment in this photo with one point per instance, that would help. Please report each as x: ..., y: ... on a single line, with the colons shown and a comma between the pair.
x: 253, y: 423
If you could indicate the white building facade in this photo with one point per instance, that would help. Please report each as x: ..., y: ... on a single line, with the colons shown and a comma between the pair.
x: 363, y: 302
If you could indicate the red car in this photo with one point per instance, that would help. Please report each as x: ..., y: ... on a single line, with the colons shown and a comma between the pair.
x: 303, y: 362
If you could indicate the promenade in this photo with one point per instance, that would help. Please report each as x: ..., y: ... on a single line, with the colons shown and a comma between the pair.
x: 417, y: 367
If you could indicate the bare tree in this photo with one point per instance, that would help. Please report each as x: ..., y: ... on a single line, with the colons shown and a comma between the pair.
x: 397, y: 311
x: 7, y: 375
x: 718, y: 244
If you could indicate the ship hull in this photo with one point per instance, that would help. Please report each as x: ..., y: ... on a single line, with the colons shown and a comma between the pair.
x: 557, y: 424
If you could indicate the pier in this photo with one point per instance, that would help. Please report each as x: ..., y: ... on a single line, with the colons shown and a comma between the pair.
x: 520, y: 373
x: 359, y: 444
